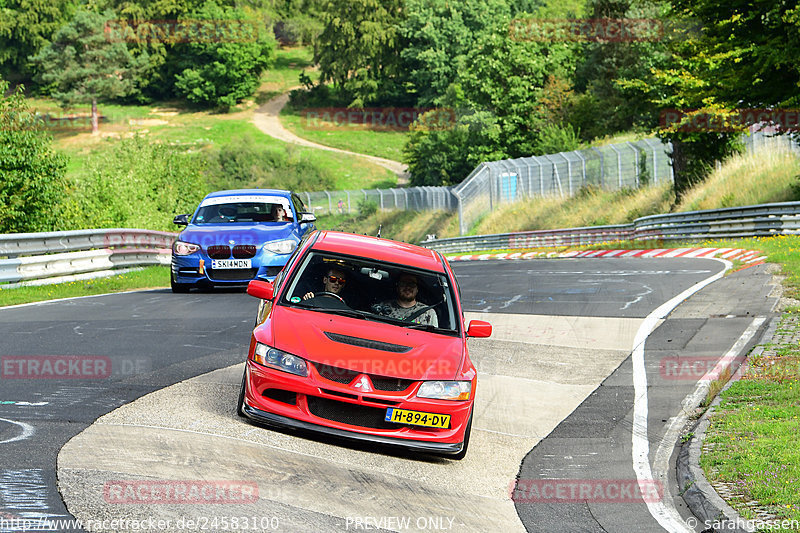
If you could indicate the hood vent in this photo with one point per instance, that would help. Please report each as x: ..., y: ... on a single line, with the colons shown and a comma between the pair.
x: 367, y: 343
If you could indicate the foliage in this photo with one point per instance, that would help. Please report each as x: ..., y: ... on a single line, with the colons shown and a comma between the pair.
x: 221, y: 72
x: 602, y: 106
x: 137, y: 185
x: 359, y: 49
x: 81, y: 65
x: 32, y: 178
x: 366, y: 208
x: 437, y: 34
x: 751, y: 50
x: 248, y: 164
x: 446, y: 155
x: 25, y: 28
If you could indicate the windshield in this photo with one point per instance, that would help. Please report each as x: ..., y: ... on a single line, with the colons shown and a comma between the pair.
x: 372, y: 290
x: 244, y: 212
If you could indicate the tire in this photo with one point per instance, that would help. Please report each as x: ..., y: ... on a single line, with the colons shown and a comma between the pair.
x: 177, y: 287
x: 240, y: 402
x: 460, y: 455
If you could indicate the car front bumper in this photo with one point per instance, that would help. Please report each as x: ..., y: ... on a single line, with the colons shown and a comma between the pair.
x: 314, y: 404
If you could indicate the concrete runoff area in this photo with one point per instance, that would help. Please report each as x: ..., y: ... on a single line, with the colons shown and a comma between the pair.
x: 533, y: 372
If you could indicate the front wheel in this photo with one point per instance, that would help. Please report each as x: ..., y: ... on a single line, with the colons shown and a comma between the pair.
x: 460, y: 455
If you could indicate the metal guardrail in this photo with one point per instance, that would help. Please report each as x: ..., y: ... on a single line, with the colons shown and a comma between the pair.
x: 734, y: 222
x: 35, y: 256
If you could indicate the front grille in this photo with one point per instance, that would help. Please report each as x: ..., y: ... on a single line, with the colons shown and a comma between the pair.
x: 244, y: 251
x: 390, y: 384
x: 219, y: 251
x: 344, y: 376
x: 339, y: 375
x: 283, y: 396
x: 273, y: 271
x: 348, y: 413
x: 232, y: 274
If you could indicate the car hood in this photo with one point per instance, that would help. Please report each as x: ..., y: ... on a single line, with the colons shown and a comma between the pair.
x: 214, y: 234
x: 366, y: 346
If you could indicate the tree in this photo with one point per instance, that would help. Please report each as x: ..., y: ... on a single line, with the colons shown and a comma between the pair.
x: 25, y: 28
x: 437, y: 34
x: 359, y: 49
x: 225, y: 67
x: 32, y: 176
x: 507, y: 78
x: 682, y: 82
x: 445, y: 153
x: 81, y: 65
x: 753, y: 50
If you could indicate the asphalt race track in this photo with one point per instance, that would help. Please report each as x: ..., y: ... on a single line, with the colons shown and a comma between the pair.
x: 572, y: 392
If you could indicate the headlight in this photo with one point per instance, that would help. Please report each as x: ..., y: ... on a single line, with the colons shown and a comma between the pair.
x: 281, y: 247
x: 184, y: 248
x: 268, y: 356
x: 445, y: 390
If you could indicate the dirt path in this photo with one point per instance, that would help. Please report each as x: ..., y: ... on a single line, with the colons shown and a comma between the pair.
x: 266, y: 119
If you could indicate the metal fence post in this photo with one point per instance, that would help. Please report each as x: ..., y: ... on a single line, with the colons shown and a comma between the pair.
x: 619, y: 165
x: 602, y: 167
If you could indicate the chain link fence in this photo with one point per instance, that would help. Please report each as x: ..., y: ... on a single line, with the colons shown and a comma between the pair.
x: 631, y: 164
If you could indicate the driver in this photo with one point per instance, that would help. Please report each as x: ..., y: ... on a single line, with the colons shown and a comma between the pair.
x: 406, y: 304
x: 332, y: 282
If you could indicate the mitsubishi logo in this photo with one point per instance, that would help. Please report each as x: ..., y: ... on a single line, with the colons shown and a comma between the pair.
x: 362, y: 383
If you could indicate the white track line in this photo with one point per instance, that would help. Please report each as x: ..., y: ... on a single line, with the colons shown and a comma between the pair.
x: 663, y: 510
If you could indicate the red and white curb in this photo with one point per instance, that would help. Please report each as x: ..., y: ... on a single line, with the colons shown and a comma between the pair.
x: 752, y: 257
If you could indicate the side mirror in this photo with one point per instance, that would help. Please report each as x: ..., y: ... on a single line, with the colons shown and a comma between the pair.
x: 260, y: 289
x: 307, y: 217
x: 181, y: 220
x: 479, y: 328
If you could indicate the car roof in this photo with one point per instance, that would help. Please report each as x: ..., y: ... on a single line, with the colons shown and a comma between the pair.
x: 379, y: 249
x: 250, y: 192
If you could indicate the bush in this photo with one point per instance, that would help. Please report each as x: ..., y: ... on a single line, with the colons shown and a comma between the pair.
x: 366, y: 208
x: 32, y: 176
x: 247, y: 164
x: 137, y: 185
x: 221, y: 72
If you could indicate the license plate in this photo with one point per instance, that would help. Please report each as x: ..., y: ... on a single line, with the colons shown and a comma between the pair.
x: 417, y: 418
x: 230, y: 263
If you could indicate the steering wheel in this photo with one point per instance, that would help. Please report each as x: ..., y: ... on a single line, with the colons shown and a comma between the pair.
x: 331, y: 294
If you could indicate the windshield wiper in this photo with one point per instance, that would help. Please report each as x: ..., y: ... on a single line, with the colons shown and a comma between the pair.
x: 343, y: 312
x: 428, y: 327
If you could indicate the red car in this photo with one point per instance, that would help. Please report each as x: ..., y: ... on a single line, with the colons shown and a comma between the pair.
x: 363, y: 338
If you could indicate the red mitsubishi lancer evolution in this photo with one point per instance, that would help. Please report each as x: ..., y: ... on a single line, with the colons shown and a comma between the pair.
x: 363, y: 338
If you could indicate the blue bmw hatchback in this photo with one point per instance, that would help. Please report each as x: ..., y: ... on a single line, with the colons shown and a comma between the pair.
x: 237, y: 236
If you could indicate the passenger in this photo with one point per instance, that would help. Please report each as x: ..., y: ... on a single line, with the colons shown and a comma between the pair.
x: 406, y: 304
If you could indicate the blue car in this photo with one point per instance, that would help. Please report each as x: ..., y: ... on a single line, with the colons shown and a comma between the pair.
x: 237, y: 236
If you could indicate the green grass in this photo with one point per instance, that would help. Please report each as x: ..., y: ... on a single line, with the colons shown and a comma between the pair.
x: 150, y: 277
x: 285, y: 74
x: 753, y: 435
x: 354, y: 138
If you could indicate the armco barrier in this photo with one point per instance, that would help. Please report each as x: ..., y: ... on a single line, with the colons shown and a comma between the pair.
x: 734, y: 222
x: 33, y: 256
